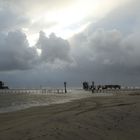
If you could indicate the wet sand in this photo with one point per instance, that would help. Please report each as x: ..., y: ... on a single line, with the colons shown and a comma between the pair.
x: 95, y: 118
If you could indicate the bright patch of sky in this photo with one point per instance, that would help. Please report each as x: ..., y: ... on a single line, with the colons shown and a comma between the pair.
x: 67, y: 20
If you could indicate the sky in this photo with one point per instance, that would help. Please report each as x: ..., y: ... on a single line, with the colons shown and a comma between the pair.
x: 44, y: 43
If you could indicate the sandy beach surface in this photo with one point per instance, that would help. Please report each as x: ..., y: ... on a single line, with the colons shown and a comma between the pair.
x: 94, y: 118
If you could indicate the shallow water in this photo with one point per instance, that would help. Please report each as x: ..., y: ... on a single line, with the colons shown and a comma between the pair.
x: 13, y: 100
x: 16, y: 101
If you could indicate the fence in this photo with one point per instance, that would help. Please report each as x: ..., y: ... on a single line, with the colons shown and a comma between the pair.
x: 37, y: 91
x: 62, y: 91
x: 123, y: 90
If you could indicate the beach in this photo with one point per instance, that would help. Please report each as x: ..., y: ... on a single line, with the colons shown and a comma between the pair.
x: 93, y: 118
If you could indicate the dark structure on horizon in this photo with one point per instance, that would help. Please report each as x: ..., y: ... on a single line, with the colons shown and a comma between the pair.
x: 86, y: 86
x: 65, y: 86
x: 2, y: 85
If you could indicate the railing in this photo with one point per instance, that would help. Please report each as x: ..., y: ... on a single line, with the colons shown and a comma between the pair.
x: 37, y: 91
x: 123, y: 90
x: 62, y: 91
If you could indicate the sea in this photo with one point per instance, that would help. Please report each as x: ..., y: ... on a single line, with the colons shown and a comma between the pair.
x: 14, y: 100
x: 17, y: 99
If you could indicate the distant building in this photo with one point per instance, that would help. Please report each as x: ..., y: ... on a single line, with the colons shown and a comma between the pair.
x: 2, y: 85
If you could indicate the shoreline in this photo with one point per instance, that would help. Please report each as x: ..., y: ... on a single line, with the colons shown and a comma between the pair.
x: 92, y: 95
x: 106, y: 118
x: 47, y: 99
x: 55, y: 103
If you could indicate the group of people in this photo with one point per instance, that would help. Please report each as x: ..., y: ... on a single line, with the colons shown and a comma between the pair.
x: 86, y: 86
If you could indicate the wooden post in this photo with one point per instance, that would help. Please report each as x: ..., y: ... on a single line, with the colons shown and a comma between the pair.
x: 93, y: 87
x: 65, y: 86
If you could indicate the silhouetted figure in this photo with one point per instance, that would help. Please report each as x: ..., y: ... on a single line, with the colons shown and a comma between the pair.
x: 1, y: 85
x: 93, y: 87
x: 65, y: 86
x: 85, y: 86
x: 99, y: 88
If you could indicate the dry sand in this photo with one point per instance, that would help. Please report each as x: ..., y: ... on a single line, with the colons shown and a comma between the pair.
x: 96, y: 118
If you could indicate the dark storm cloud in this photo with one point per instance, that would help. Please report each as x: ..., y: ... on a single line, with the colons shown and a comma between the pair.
x: 109, y: 48
x: 10, y: 19
x: 15, y: 53
x: 108, y: 56
x: 107, y: 52
x: 53, y: 48
x: 115, y: 39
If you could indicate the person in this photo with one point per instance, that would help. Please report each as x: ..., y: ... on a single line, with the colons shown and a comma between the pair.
x: 93, y: 87
x: 85, y: 86
x: 65, y: 86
